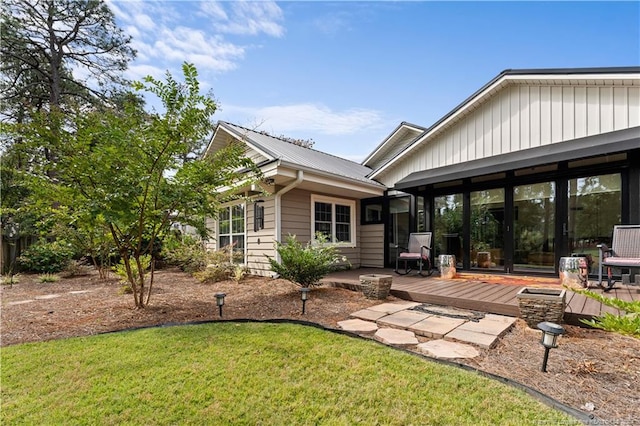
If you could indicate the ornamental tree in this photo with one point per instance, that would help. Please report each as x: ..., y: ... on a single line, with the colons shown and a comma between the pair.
x: 135, y: 173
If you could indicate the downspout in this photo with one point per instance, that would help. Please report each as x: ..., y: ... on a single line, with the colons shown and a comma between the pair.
x: 278, y: 206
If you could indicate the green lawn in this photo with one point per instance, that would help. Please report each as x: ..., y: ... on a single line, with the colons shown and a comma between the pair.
x: 247, y: 373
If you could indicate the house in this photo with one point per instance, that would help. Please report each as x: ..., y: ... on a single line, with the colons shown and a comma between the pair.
x: 304, y: 191
x: 535, y: 165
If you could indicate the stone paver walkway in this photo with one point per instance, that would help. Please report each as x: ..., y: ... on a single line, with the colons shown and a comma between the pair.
x: 453, y: 335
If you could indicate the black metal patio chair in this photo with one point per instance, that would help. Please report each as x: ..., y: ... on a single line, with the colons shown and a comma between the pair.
x: 418, y: 251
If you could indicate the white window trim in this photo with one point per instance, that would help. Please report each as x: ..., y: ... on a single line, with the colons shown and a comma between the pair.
x: 333, y: 201
x: 229, y: 206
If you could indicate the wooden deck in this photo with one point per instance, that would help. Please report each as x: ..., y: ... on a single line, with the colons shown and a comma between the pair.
x: 486, y: 293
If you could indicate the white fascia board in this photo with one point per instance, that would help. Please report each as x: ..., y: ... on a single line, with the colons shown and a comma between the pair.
x: 384, y: 143
x: 329, y: 179
x: 249, y: 143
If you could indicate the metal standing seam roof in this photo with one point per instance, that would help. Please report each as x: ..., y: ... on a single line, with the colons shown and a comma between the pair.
x: 288, y: 152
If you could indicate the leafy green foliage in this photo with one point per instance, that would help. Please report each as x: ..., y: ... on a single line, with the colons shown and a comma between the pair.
x: 185, y: 252
x: 307, y: 264
x: 46, y: 257
x: 628, y: 323
x: 48, y: 278
x: 133, y: 173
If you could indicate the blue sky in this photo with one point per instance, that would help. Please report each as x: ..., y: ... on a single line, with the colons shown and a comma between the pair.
x: 345, y: 74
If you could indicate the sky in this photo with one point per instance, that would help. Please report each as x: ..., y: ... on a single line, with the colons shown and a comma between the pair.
x: 346, y: 74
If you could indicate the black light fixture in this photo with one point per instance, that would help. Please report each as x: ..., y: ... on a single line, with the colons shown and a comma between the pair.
x: 304, y: 295
x: 549, y: 339
x: 220, y: 301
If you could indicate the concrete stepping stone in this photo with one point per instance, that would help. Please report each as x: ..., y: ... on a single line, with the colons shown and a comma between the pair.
x: 358, y: 326
x: 483, y: 340
x: 445, y: 349
x: 393, y: 336
x: 436, y: 326
x: 390, y: 308
x: 368, y: 314
x: 47, y: 296
x: 486, y: 325
x: 402, y: 319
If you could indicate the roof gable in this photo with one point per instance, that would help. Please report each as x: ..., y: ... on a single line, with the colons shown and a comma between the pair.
x: 551, y: 77
x: 271, y: 149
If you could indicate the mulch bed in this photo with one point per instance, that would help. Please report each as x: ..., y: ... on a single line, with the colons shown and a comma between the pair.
x: 593, y: 371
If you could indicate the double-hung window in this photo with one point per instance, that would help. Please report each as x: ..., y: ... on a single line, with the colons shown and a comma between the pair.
x: 231, y: 230
x: 335, y: 218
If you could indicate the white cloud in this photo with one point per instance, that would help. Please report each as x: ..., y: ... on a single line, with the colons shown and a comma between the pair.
x: 283, y: 119
x: 245, y: 17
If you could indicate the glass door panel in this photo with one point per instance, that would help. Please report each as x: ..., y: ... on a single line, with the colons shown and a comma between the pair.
x: 534, y: 227
x: 447, y: 226
x: 595, y: 206
x: 398, y: 226
x: 487, y: 229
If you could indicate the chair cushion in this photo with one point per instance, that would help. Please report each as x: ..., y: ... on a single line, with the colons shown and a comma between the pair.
x: 628, y: 262
x: 410, y: 256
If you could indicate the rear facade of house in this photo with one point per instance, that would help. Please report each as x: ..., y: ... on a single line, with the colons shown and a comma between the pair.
x: 536, y: 165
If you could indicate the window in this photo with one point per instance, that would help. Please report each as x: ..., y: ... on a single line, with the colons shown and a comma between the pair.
x: 371, y: 209
x: 231, y: 230
x: 335, y: 218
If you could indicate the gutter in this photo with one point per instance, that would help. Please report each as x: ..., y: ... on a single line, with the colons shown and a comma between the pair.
x: 278, y: 206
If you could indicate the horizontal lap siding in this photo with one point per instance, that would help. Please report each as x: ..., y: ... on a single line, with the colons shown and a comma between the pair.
x: 296, y: 215
x: 372, y: 246
x: 296, y: 220
x: 261, y: 243
x: 521, y: 117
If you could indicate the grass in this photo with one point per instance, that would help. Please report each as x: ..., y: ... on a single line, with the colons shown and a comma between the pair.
x: 247, y: 373
x: 48, y: 278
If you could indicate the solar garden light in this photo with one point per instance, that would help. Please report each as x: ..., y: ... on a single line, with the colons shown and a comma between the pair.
x: 304, y: 295
x: 220, y: 301
x: 549, y: 339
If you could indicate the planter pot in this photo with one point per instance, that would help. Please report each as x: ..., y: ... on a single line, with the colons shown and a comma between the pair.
x: 447, y: 266
x: 541, y: 304
x: 573, y: 272
x: 376, y: 286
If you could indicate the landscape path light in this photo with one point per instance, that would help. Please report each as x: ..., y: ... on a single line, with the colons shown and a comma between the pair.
x: 304, y: 295
x: 220, y: 301
x: 549, y: 339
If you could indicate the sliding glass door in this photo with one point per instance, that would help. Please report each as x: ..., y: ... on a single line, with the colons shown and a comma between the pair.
x: 487, y: 229
x: 534, y: 213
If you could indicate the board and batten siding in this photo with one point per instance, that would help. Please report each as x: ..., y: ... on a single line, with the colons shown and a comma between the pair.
x: 296, y: 220
x: 372, y: 246
x: 519, y: 117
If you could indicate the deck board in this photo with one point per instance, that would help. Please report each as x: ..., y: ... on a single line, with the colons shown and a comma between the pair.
x: 482, y: 295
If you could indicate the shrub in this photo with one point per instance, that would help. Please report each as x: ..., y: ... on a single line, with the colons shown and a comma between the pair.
x: 10, y: 279
x: 121, y: 270
x: 48, y: 278
x: 75, y: 268
x: 214, y: 273
x: 187, y: 253
x: 46, y: 257
x: 628, y: 323
x: 307, y: 264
